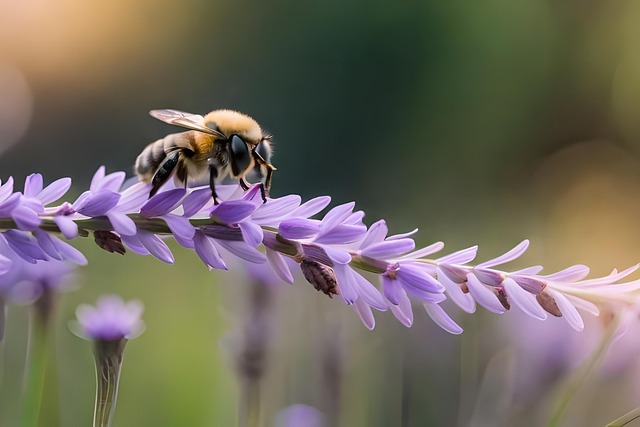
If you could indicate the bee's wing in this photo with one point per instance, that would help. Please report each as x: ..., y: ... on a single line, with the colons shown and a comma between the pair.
x: 187, y: 120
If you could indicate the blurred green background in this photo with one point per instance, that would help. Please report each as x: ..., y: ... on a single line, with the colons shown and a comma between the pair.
x: 478, y: 122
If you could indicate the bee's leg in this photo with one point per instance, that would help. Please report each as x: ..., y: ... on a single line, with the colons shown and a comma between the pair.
x: 244, y: 184
x: 164, y: 172
x: 266, y: 185
x: 213, y: 174
x: 267, y: 179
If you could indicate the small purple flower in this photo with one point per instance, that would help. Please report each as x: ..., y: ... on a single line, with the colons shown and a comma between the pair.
x: 300, y: 415
x: 111, y: 319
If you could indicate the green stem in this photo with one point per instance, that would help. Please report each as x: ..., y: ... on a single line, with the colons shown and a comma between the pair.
x: 626, y: 418
x: 249, y: 407
x: 586, y: 371
x: 108, y: 358
x: 36, y: 360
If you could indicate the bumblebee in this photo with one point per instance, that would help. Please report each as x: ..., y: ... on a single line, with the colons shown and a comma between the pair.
x: 223, y: 144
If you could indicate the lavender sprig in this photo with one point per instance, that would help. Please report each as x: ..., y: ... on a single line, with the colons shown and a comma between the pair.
x: 334, y: 253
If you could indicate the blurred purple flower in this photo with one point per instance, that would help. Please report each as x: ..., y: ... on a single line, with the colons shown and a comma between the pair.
x: 111, y: 319
x: 300, y: 415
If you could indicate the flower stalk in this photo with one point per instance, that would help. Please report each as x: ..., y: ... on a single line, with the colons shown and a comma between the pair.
x: 108, y: 358
x: 39, y: 340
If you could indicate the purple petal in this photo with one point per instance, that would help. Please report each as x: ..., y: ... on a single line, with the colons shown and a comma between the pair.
x: 5, y: 265
x: 337, y: 256
x: 276, y: 209
x: 568, y: 310
x: 24, y: 246
x: 122, y: 223
x: 67, y: 226
x: 454, y: 273
x: 300, y: 415
x: 488, y: 277
x: 253, y: 194
x: 587, y: 306
x: 111, y: 319
x: 392, y: 289
x: 207, y: 251
x: 524, y: 300
x: 462, y: 300
x: 299, y: 228
x: 337, y: 215
x: 509, y: 256
x: 196, y: 200
x: 529, y: 283
x: 33, y: 185
x: 316, y: 253
x: 341, y: 234
x: 420, y: 253
x: 442, y: 319
x: 156, y: 247
x: 570, y: 274
x: 97, y: 177
x: 25, y: 218
x: 134, y: 197
x: 54, y: 191
x: 417, y: 278
x: 182, y: 241
x: 529, y: 271
x: 232, y: 212
x: 355, y: 219
x: 311, y: 207
x: 403, y: 311
x: 6, y: 189
x: 112, y: 182
x: 610, y: 279
x: 347, y: 287
x: 279, y: 265
x: 365, y: 314
x: 403, y: 235
x: 162, y: 203
x: 463, y: 256
x: 243, y: 250
x: 46, y: 244
x: 96, y: 204
x: 376, y: 233
x: 369, y: 293
x: 134, y: 243
x: 483, y: 295
x: 251, y: 233
x: 180, y: 226
x: 69, y: 252
x: 9, y: 204
x: 32, y: 203
x: 386, y: 249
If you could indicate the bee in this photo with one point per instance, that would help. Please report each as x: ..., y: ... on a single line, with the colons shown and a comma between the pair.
x: 223, y: 144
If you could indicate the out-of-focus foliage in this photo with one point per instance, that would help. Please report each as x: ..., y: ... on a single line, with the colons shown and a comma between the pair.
x: 479, y: 122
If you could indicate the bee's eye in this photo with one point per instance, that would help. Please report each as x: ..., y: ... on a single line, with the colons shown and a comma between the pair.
x: 240, y: 159
x: 263, y: 149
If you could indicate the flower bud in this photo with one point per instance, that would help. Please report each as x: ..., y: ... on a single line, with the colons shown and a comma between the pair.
x: 321, y: 276
x: 547, y: 302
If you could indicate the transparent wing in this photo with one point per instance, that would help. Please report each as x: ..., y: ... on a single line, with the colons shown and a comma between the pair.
x: 186, y: 120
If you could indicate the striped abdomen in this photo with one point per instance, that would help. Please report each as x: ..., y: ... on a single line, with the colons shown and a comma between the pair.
x: 149, y: 160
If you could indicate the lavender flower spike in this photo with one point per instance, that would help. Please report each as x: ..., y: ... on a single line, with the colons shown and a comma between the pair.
x: 340, y: 255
